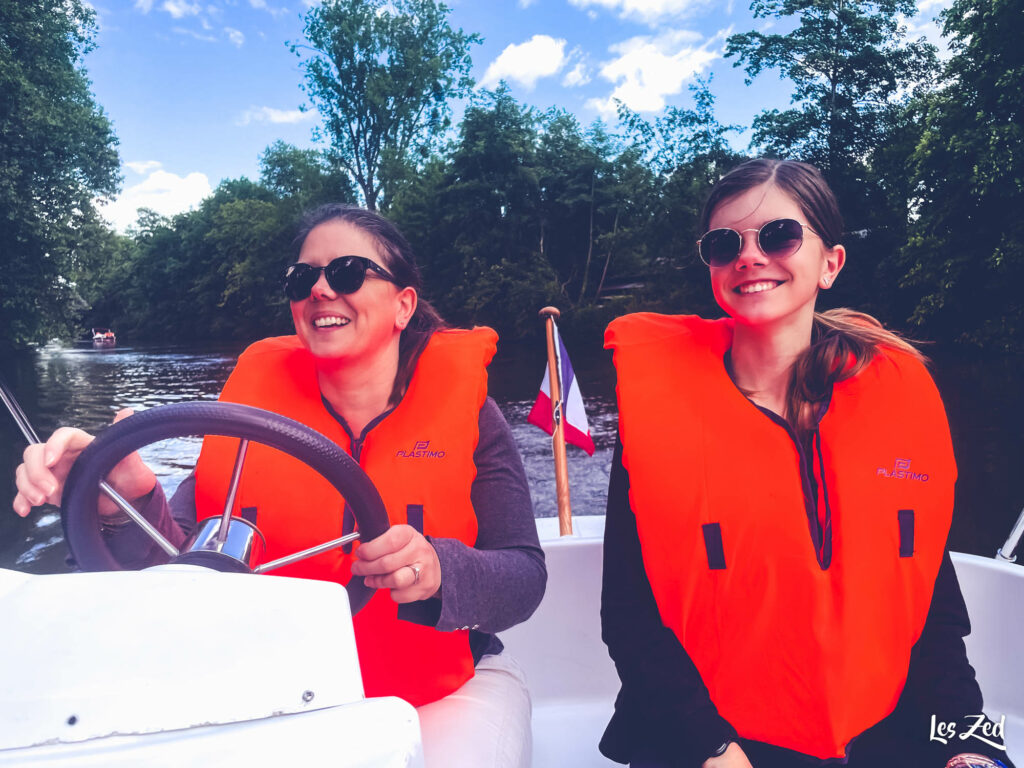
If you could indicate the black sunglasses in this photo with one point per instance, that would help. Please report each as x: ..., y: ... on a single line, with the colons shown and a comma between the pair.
x: 776, y: 239
x: 345, y: 274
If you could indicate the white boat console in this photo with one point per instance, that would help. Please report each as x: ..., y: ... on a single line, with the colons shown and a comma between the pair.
x: 182, y: 666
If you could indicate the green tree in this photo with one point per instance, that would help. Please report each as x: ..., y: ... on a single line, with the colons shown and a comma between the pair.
x: 681, y: 136
x: 964, y: 259
x: 688, y: 152
x: 57, y: 152
x: 572, y: 177
x: 250, y: 240
x: 211, y: 273
x: 381, y: 73
x: 848, y: 60
x: 489, y: 268
x: 307, y: 177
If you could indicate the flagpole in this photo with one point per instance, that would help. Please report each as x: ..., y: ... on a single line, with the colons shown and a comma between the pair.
x: 550, y: 314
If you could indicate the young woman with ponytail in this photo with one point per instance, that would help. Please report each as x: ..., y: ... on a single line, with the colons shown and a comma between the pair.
x: 776, y: 587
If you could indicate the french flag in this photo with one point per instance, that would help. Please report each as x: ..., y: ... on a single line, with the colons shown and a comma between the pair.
x: 577, y: 431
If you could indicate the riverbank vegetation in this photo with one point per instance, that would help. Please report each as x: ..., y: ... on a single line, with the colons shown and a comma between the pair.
x: 512, y: 208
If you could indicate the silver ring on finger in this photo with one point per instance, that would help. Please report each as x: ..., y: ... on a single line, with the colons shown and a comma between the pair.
x: 416, y: 569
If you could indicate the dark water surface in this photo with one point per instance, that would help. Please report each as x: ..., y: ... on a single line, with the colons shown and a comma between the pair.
x: 85, y: 387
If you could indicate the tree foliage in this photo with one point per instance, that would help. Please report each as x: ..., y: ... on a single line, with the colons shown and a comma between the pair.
x: 848, y: 62
x: 307, y: 177
x: 381, y: 73
x: 965, y: 251
x: 57, y: 152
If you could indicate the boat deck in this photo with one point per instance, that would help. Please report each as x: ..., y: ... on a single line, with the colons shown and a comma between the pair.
x: 574, y: 684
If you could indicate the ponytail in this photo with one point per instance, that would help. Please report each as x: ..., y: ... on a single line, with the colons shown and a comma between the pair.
x: 842, y: 343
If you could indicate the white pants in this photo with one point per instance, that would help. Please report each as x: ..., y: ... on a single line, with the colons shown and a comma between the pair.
x: 484, y: 724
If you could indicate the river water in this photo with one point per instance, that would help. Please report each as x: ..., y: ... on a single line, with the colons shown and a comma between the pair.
x: 85, y: 387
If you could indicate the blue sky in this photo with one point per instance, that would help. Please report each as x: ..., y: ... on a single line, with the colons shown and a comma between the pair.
x: 197, y: 89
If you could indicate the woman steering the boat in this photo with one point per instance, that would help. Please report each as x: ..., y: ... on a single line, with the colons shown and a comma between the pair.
x: 373, y: 367
x: 776, y: 588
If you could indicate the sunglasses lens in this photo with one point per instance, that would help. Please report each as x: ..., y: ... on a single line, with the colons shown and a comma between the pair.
x: 780, y: 237
x: 719, y: 246
x: 345, y: 274
x: 299, y: 280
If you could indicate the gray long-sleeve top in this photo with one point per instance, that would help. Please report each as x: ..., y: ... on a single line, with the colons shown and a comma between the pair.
x: 486, y: 588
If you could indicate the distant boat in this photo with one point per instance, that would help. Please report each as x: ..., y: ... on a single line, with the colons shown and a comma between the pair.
x: 103, y: 338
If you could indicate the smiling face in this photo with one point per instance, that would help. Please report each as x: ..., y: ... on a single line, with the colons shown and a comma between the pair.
x: 356, y: 328
x: 759, y: 291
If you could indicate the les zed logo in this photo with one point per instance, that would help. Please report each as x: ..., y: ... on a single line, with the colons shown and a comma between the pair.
x: 976, y: 727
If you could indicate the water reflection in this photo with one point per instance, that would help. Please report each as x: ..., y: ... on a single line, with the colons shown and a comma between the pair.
x: 85, y: 388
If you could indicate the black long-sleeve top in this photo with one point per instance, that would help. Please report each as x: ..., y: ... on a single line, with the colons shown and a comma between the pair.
x: 664, y: 714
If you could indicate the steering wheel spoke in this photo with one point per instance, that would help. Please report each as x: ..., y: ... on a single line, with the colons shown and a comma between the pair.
x: 306, y: 553
x: 126, y: 506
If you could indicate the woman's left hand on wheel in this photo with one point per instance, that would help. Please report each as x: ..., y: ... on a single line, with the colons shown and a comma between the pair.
x: 401, y: 560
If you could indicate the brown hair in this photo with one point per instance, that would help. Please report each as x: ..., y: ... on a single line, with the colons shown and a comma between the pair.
x: 399, y: 259
x: 842, y: 341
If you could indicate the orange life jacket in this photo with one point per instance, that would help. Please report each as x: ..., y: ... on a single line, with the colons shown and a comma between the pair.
x: 420, y: 457
x: 802, y: 633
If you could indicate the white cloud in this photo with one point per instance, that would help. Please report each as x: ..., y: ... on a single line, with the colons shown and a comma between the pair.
x: 262, y: 5
x: 180, y: 8
x: 142, y: 166
x: 526, y: 63
x: 646, y: 11
x: 580, y: 73
x: 166, y: 193
x: 925, y: 25
x: 235, y: 36
x: 196, y: 35
x: 649, y: 68
x: 526, y: 3
x: 144, y: 5
x: 271, y: 115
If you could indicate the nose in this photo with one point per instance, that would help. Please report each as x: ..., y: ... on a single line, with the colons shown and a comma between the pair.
x: 322, y: 290
x: 750, y: 254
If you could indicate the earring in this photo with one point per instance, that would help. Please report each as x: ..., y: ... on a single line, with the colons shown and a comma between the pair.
x: 826, y: 280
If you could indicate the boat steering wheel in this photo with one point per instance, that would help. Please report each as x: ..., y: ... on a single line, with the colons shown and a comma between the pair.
x: 212, y: 543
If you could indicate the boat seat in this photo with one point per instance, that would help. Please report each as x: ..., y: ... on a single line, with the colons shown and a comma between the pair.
x: 572, y: 680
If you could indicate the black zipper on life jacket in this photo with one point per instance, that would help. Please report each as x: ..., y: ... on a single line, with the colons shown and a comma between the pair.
x: 821, y: 536
x: 348, y: 518
x: 825, y: 553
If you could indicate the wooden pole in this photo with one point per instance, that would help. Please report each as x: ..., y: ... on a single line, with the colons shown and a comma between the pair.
x: 550, y: 314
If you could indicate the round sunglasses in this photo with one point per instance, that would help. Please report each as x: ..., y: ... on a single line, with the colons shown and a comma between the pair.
x: 344, y: 274
x: 776, y: 239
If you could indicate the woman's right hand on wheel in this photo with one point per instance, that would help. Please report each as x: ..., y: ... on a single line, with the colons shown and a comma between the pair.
x: 45, y: 466
x: 733, y: 757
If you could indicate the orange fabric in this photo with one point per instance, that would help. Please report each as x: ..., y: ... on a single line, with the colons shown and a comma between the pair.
x: 793, y: 654
x: 420, y: 454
